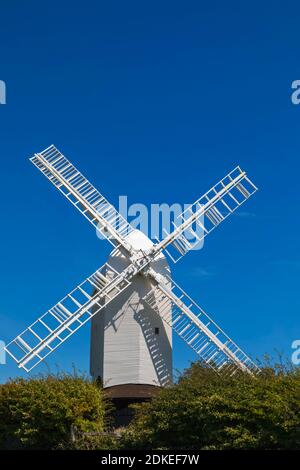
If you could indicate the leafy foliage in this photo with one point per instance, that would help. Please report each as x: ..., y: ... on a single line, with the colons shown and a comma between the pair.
x: 38, y: 413
x: 204, y: 411
x: 201, y: 411
x: 93, y: 441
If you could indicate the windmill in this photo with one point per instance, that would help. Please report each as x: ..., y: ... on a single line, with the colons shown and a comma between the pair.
x: 133, y: 302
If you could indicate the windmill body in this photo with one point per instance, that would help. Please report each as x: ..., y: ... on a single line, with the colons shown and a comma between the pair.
x: 133, y: 303
x: 130, y: 343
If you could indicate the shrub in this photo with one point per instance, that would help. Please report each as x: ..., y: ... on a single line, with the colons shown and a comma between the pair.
x: 38, y: 413
x: 93, y: 441
x: 202, y: 411
x: 205, y: 411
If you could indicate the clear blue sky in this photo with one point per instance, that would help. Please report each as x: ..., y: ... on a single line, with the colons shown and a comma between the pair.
x: 156, y: 101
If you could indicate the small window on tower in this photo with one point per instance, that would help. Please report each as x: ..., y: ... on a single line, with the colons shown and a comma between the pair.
x: 156, y: 331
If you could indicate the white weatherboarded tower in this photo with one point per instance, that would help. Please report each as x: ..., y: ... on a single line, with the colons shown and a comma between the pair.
x: 130, y: 343
x: 133, y: 302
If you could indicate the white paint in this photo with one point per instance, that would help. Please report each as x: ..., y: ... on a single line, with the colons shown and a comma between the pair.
x: 124, y: 346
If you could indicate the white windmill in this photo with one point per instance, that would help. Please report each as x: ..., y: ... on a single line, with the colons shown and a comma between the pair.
x: 132, y: 300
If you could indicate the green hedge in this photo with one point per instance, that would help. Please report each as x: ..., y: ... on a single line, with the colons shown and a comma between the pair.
x: 204, y: 411
x: 201, y: 411
x: 38, y: 413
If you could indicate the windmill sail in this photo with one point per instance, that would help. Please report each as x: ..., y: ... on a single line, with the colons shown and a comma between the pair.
x: 60, y: 322
x: 190, y: 322
x: 197, y: 329
x: 199, y: 219
x: 83, y: 195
